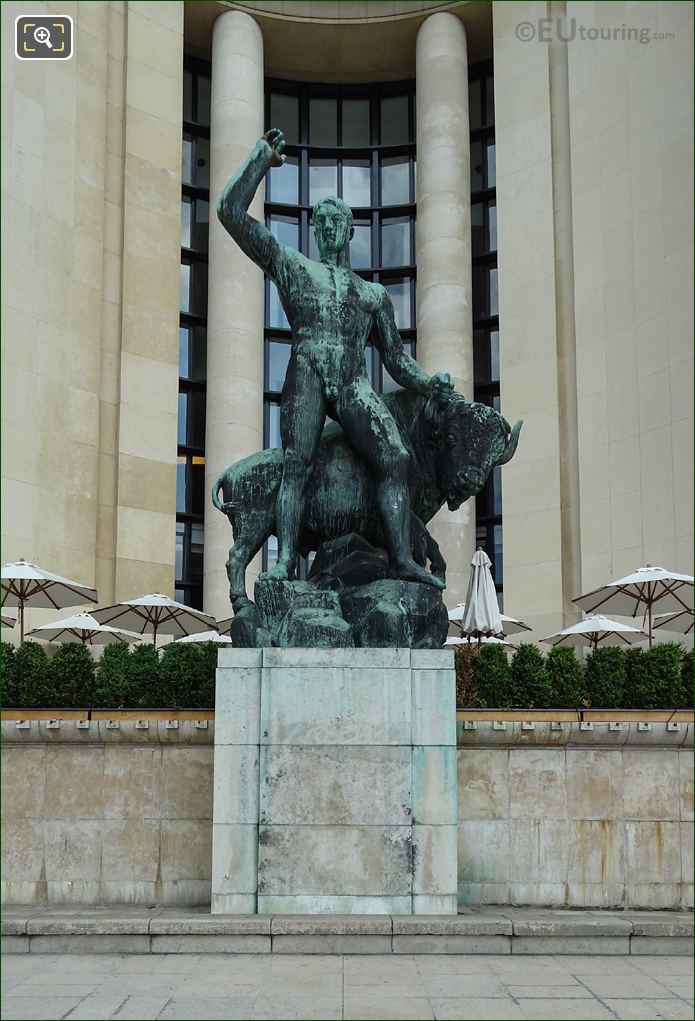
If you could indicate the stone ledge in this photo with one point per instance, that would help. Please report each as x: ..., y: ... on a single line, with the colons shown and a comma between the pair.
x: 506, y: 931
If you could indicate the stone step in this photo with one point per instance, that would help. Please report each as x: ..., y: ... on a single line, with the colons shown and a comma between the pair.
x: 505, y: 931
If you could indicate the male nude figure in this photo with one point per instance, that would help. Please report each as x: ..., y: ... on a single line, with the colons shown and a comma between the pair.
x: 332, y: 313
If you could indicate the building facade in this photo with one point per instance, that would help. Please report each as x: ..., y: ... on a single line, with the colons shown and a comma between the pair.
x: 521, y: 177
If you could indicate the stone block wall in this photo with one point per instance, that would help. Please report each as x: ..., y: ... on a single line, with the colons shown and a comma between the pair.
x: 549, y: 813
x: 576, y: 815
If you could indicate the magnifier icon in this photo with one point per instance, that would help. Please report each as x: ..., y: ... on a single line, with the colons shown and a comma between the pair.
x: 42, y: 35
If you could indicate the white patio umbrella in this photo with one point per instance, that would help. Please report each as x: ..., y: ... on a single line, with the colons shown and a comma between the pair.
x: 681, y: 622
x: 82, y: 627
x: 596, y: 630
x: 223, y: 626
x: 490, y: 640
x: 156, y: 614
x: 26, y: 584
x: 510, y: 625
x: 481, y: 616
x: 208, y: 636
x: 637, y: 594
x: 7, y: 620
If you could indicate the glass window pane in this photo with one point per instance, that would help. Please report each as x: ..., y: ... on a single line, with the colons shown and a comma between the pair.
x: 197, y: 358
x: 493, y: 309
x: 494, y: 355
x: 395, y: 242
x: 196, y: 419
x: 185, y: 287
x: 186, y: 222
x: 180, y: 490
x: 183, y: 352
x: 323, y: 179
x: 285, y: 229
x: 476, y: 166
x: 395, y: 181
x: 478, y: 228
x: 479, y: 302
x: 284, y: 114
x: 187, y: 159
x: 196, y: 554
x: 198, y: 484
x: 361, y: 247
x: 489, y: 100
x: 271, y: 551
x: 276, y: 313
x: 399, y: 293
x: 187, y: 96
x: 497, y: 560
x: 492, y: 227
x: 496, y: 490
x: 178, y: 556
x: 201, y: 225
x: 273, y: 436
x: 323, y: 122
x: 182, y: 424
x: 481, y: 357
x: 313, y: 247
x: 357, y: 190
x: 490, y: 169
x: 283, y: 182
x: 356, y: 122
x: 201, y: 170
x: 278, y: 360
x: 394, y: 120
x: 202, y: 113
x: 369, y: 362
x: 474, y: 104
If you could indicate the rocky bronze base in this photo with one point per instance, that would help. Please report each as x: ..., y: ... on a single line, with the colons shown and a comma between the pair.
x: 349, y: 600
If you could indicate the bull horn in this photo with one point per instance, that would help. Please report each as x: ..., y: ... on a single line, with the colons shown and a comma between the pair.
x: 510, y: 446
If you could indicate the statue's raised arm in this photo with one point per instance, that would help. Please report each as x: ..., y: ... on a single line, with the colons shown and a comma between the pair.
x: 232, y: 207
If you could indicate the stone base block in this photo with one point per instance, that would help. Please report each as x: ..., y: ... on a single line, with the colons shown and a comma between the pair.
x: 662, y: 946
x: 335, y: 782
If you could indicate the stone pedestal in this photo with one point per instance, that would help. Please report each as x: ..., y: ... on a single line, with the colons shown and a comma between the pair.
x: 335, y: 782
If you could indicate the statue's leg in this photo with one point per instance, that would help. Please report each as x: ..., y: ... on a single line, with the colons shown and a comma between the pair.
x: 301, y: 422
x: 372, y: 431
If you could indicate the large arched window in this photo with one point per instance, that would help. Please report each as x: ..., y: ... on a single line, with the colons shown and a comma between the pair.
x: 357, y: 142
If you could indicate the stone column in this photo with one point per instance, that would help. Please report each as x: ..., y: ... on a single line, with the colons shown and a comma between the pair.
x: 444, y: 289
x: 234, y: 421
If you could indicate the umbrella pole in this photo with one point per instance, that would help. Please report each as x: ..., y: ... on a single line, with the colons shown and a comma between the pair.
x: 649, y: 611
x: 21, y: 621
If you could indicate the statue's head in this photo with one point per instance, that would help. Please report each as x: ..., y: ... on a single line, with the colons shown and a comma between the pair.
x: 332, y: 225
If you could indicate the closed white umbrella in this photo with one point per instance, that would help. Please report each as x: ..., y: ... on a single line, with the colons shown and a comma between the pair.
x: 208, y: 636
x: 83, y: 627
x: 510, y: 625
x: 636, y: 595
x: 482, y: 613
x: 156, y: 614
x: 596, y: 630
x: 681, y: 622
x: 26, y: 584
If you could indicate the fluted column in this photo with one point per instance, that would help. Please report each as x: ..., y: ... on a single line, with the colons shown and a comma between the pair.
x: 444, y: 288
x: 234, y: 420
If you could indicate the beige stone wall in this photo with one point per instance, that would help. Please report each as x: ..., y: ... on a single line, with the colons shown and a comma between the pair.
x: 553, y: 815
x: 90, y: 297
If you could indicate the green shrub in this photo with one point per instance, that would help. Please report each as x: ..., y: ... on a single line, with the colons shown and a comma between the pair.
x: 654, y: 676
x: 187, y: 676
x: 566, y: 677
x: 72, y: 675
x: 33, y: 678
x: 110, y: 685
x: 142, y: 688
x: 530, y: 684
x: 685, y: 700
x: 464, y: 665
x: 605, y: 677
x: 492, y: 677
x: 8, y: 677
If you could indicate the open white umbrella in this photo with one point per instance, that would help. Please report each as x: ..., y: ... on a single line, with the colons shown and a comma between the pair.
x: 208, y: 636
x: 596, y: 630
x: 638, y: 594
x: 26, y: 584
x: 7, y: 620
x: 481, y: 616
x: 510, y: 625
x: 156, y: 614
x: 223, y: 626
x: 83, y: 627
x: 681, y: 622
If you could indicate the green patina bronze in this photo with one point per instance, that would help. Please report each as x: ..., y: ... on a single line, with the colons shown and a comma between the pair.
x: 379, y: 471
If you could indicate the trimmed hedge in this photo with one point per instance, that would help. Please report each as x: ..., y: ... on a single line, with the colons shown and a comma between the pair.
x: 182, y: 676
